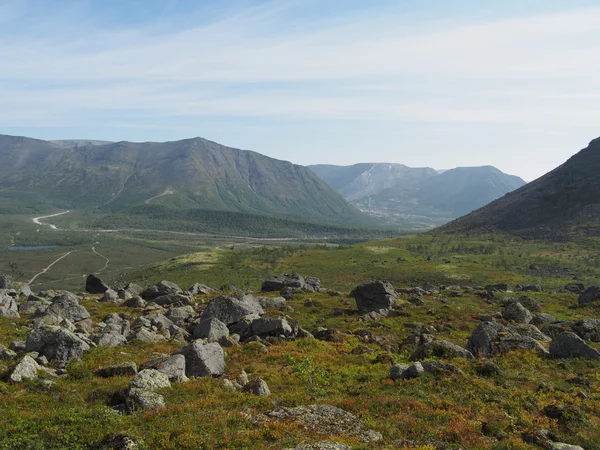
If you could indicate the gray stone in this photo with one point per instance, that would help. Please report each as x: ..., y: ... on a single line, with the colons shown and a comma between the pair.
x: 118, y: 370
x: 531, y: 288
x: 9, y: 307
x: 491, y: 338
x: 180, y: 315
x: 257, y: 387
x: 528, y: 302
x: 25, y: 370
x: 133, y: 289
x: 172, y: 366
x: 6, y: 354
x: 141, y: 399
x: 173, y: 299
x: 440, y: 349
x: 282, y: 281
x: 515, y: 312
x: 563, y: 446
x: 587, y: 329
x: 272, y: 302
x: 569, y: 345
x: 95, y: 285
x: 135, y: 302
x: 374, y: 296
x: 37, y: 307
x: 57, y: 344
x: 201, y: 289
x: 542, y: 319
x: 5, y: 280
x: 110, y: 296
x: 150, y: 380
x: 590, y: 295
x: 271, y: 327
x: 529, y: 330
x: 67, y: 305
x: 213, y: 330
x: 202, y: 360
x: 397, y: 371
x: 145, y: 335
x: 161, y: 288
x: 231, y: 309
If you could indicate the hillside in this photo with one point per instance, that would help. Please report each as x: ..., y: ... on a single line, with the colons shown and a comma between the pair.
x: 395, y: 190
x: 189, y: 174
x: 560, y: 203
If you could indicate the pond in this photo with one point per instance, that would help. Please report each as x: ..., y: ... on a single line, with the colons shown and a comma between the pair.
x: 31, y: 247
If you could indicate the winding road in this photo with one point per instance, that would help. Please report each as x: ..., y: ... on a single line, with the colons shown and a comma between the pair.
x: 50, y: 265
x: 36, y: 220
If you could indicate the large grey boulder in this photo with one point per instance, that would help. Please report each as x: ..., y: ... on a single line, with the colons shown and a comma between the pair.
x: 590, y: 295
x: 569, y: 345
x: 272, y: 302
x: 9, y: 307
x: 440, y: 349
x: 114, y: 332
x: 491, y: 338
x: 180, y: 315
x: 67, y: 305
x: 95, y: 285
x: 110, y: 296
x: 149, y: 380
x: 515, y: 312
x: 172, y: 366
x: 25, y: 370
x: 173, y: 299
x: 374, y: 296
x: 267, y: 326
x: 203, y: 360
x: 529, y: 330
x: 279, y: 282
x: 213, y: 330
x: 587, y: 329
x: 542, y: 319
x: 231, y: 309
x: 57, y: 344
x: 162, y: 288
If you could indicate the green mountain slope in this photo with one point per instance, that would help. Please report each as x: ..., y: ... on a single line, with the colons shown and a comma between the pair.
x: 188, y: 174
x: 563, y: 201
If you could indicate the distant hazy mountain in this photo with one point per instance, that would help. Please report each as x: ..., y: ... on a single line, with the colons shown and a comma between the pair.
x: 405, y: 192
x: 187, y: 174
x: 564, y: 201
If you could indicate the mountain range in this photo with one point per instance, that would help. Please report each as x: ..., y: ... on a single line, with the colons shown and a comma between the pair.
x: 564, y: 202
x: 37, y: 176
x: 398, y: 191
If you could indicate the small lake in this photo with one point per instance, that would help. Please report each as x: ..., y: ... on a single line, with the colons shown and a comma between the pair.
x: 31, y: 247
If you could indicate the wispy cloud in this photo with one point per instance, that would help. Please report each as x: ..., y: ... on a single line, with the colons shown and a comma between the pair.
x: 538, y: 70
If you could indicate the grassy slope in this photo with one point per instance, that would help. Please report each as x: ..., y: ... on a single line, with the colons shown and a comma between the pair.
x: 202, y: 414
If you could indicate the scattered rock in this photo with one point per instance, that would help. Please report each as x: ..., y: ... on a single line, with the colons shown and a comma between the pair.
x: 60, y: 346
x: 569, y: 345
x: 374, y: 296
x: 271, y: 327
x: 282, y: 281
x: 491, y: 338
x: 590, y: 295
x: 150, y: 380
x: 95, y: 285
x: 542, y: 319
x: 118, y: 370
x: 231, y: 309
x: 67, y: 306
x: 110, y: 296
x: 159, y: 289
x: 212, y: 329
x: 118, y: 442
x: 257, y: 387
x: 440, y: 349
x: 25, y: 370
x: 201, y: 289
x: 9, y: 307
x: 172, y: 366
x: 515, y: 312
x: 135, y: 302
x: 141, y: 399
x: 203, y: 360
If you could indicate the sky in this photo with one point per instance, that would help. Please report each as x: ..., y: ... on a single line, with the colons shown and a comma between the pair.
x: 426, y: 83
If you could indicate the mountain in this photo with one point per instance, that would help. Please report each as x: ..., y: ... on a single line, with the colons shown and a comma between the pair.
x: 564, y: 201
x: 38, y: 175
x: 417, y: 193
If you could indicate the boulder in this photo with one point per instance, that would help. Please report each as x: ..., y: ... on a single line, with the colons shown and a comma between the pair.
x: 145, y: 335
x: 313, y: 282
x: 374, y: 296
x: 9, y: 307
x: 272, y: 302
x: 590, y: 295
x: 587, y: 329
x: 95, y: 285
x: 135, y: 302
x: 67, y: 306
x: 542, y: 319
x: 172, y: 366
x: 133, y: 289
x: 118, y: 370
x: 397, y: 371
x: 231, y: 309
x: 285, y: 280
x: 531, y: 288
x: 141, y: 399
x: 150, y: 380
x: 440, y: 349
x: 569, y: 345
x: 110, y: 296
x: 491, y: 338
x: 529, y: 330
x: 257, y: 387
x: 57, y: 344
x: 25, y: 370
x: 515, y: 312
x: 574, y: 288
x: 203, y: 360
x: 528, y: 302
x: 213, y: 330
x: 161, y: 288
x: 180, y: 315
x: 502, y: 287
x: 201, y: 289
x: 173, y: 299
x: 271, y: 327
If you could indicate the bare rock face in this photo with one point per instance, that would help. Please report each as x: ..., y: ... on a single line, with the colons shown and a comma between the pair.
x: 374, y: 296
x: 203, y: 360
x: 569, y: 345
x: 95, y: 285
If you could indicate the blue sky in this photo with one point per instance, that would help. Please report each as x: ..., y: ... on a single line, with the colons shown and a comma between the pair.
x: 438, y: 83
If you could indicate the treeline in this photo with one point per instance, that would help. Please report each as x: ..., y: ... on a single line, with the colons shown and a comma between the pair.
x: 161, y: 217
